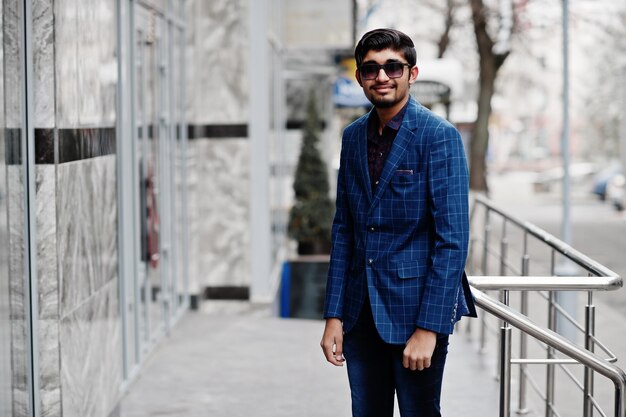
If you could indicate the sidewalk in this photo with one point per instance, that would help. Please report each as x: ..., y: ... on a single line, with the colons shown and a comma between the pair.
x: 234, y: 360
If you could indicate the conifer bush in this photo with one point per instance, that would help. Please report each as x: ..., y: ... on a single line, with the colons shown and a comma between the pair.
x: 310, y: 218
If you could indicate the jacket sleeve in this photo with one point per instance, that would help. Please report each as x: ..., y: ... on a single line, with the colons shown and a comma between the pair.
x: 342, y: 244
x: 448, y: 189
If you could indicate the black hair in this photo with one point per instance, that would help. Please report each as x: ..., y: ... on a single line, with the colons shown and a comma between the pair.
x: 379, y: 39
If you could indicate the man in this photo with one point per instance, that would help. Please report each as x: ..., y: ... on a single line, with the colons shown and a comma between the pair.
x: 396, y: 285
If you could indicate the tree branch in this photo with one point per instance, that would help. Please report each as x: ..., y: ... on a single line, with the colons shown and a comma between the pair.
x: 444, y: 40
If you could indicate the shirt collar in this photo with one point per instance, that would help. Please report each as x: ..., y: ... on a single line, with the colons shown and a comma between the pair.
x: 394, y: 123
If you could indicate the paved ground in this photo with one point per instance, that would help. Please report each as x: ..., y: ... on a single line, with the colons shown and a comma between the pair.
x: 232, y: 360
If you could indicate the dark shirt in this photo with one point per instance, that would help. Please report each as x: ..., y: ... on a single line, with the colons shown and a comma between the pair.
x: 379, y: 145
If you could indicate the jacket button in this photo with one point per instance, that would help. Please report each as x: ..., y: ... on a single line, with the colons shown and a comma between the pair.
x: 372, y: 229
x: 370, y: 261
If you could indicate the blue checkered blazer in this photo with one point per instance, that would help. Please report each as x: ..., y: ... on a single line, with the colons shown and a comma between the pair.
x: 405, y: 244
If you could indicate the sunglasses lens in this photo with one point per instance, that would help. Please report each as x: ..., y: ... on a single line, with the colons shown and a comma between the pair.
x: 369, y: 71
x: 394, y: 69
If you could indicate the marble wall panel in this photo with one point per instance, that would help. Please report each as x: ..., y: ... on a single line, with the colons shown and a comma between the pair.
x: 5, y: 312
x: 5, y: 321
x: 48, y: 292
x: 15, y: 196
x: 217, y: 81
x: 158, y: 4
x: 66, y: 63
x: 219, y: 221
x: 20, y: 371
x: 86, y: 64
x: 13, y: 74
x: 47, y: 274
x: 43, y: 61
x: 2, y: 69
x: 17, y: 291
x: 91, y: 355
x: 189, y: 56
x: 87, y: 228
x: 49, y: 375
x: 48, y: 287
x: 97, y: 68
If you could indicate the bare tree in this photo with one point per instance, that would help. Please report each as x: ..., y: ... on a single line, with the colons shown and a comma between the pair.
x: 605, y: 93
x: 446, y: 9
x: 492, y: 55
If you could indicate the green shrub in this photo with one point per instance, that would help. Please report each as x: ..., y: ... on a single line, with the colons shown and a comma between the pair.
x: 310, y: 218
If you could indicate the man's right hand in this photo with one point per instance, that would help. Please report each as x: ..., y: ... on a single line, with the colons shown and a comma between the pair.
x: 332, y: 342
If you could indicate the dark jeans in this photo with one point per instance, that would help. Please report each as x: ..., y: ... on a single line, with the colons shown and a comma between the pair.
x: 375, y: 372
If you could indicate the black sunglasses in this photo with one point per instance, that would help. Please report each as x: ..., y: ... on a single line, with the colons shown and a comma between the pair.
x: 392, y: 69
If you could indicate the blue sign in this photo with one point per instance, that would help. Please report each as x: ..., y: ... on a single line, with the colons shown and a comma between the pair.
x: 348, y: 93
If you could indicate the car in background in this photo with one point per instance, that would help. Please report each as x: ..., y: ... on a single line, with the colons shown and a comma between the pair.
x: 616, y: 191
x: 603, y: 178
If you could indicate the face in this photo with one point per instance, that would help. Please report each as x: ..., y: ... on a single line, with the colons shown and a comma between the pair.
x: 382, y: 91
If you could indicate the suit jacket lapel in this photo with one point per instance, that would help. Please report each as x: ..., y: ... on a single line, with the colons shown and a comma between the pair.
x: 362, y: 160
x: 398, y: 149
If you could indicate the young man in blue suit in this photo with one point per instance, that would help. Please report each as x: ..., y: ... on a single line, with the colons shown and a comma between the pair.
x: 396, y: 285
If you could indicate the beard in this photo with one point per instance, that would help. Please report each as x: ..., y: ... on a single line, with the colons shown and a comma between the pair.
x: 383, y: 103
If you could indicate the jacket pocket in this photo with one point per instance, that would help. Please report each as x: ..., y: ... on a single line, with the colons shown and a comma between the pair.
x: 412, y: 269
x: 402, y: 177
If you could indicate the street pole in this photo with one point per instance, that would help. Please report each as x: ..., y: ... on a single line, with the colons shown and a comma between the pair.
x: 622, y: 118
x: 355, y: 18
x: 566, y: 233
x: 259, y: 131
x: 567, y: 300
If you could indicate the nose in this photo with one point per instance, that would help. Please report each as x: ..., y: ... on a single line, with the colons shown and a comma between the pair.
x: 383, y: 76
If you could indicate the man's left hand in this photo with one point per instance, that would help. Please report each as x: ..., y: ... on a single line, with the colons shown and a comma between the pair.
x: 419, y: 350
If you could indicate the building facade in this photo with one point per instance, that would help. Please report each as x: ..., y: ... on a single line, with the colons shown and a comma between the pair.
x: 146, y: 165
x: 93, y: 198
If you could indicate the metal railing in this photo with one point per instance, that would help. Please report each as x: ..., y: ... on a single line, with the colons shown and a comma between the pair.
x: 509, y: 278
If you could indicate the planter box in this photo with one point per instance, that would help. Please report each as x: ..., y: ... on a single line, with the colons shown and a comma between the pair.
x: 303, y: 287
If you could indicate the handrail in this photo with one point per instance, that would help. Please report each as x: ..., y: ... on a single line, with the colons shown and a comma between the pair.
x: 599, y: 278
x: 559, y: 343
x: 589, y: 264
x: 546, y: 283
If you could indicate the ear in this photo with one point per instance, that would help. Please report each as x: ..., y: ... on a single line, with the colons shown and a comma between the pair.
x: 413, y: 74
x: 357, y: 75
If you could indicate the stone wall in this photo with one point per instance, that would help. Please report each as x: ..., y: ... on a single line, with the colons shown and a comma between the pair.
x: 217, y: 114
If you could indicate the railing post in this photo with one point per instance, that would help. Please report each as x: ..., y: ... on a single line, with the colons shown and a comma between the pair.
x: 504, y: 245
x: 483, y: 324
x: 505, y: 364
x: 486, y: 243
x: 504, y: 295
x: 523, y: 344
x: 550, y: 355
x: 590, y: 313
x: 620, y: 399
x: 470, y: 257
